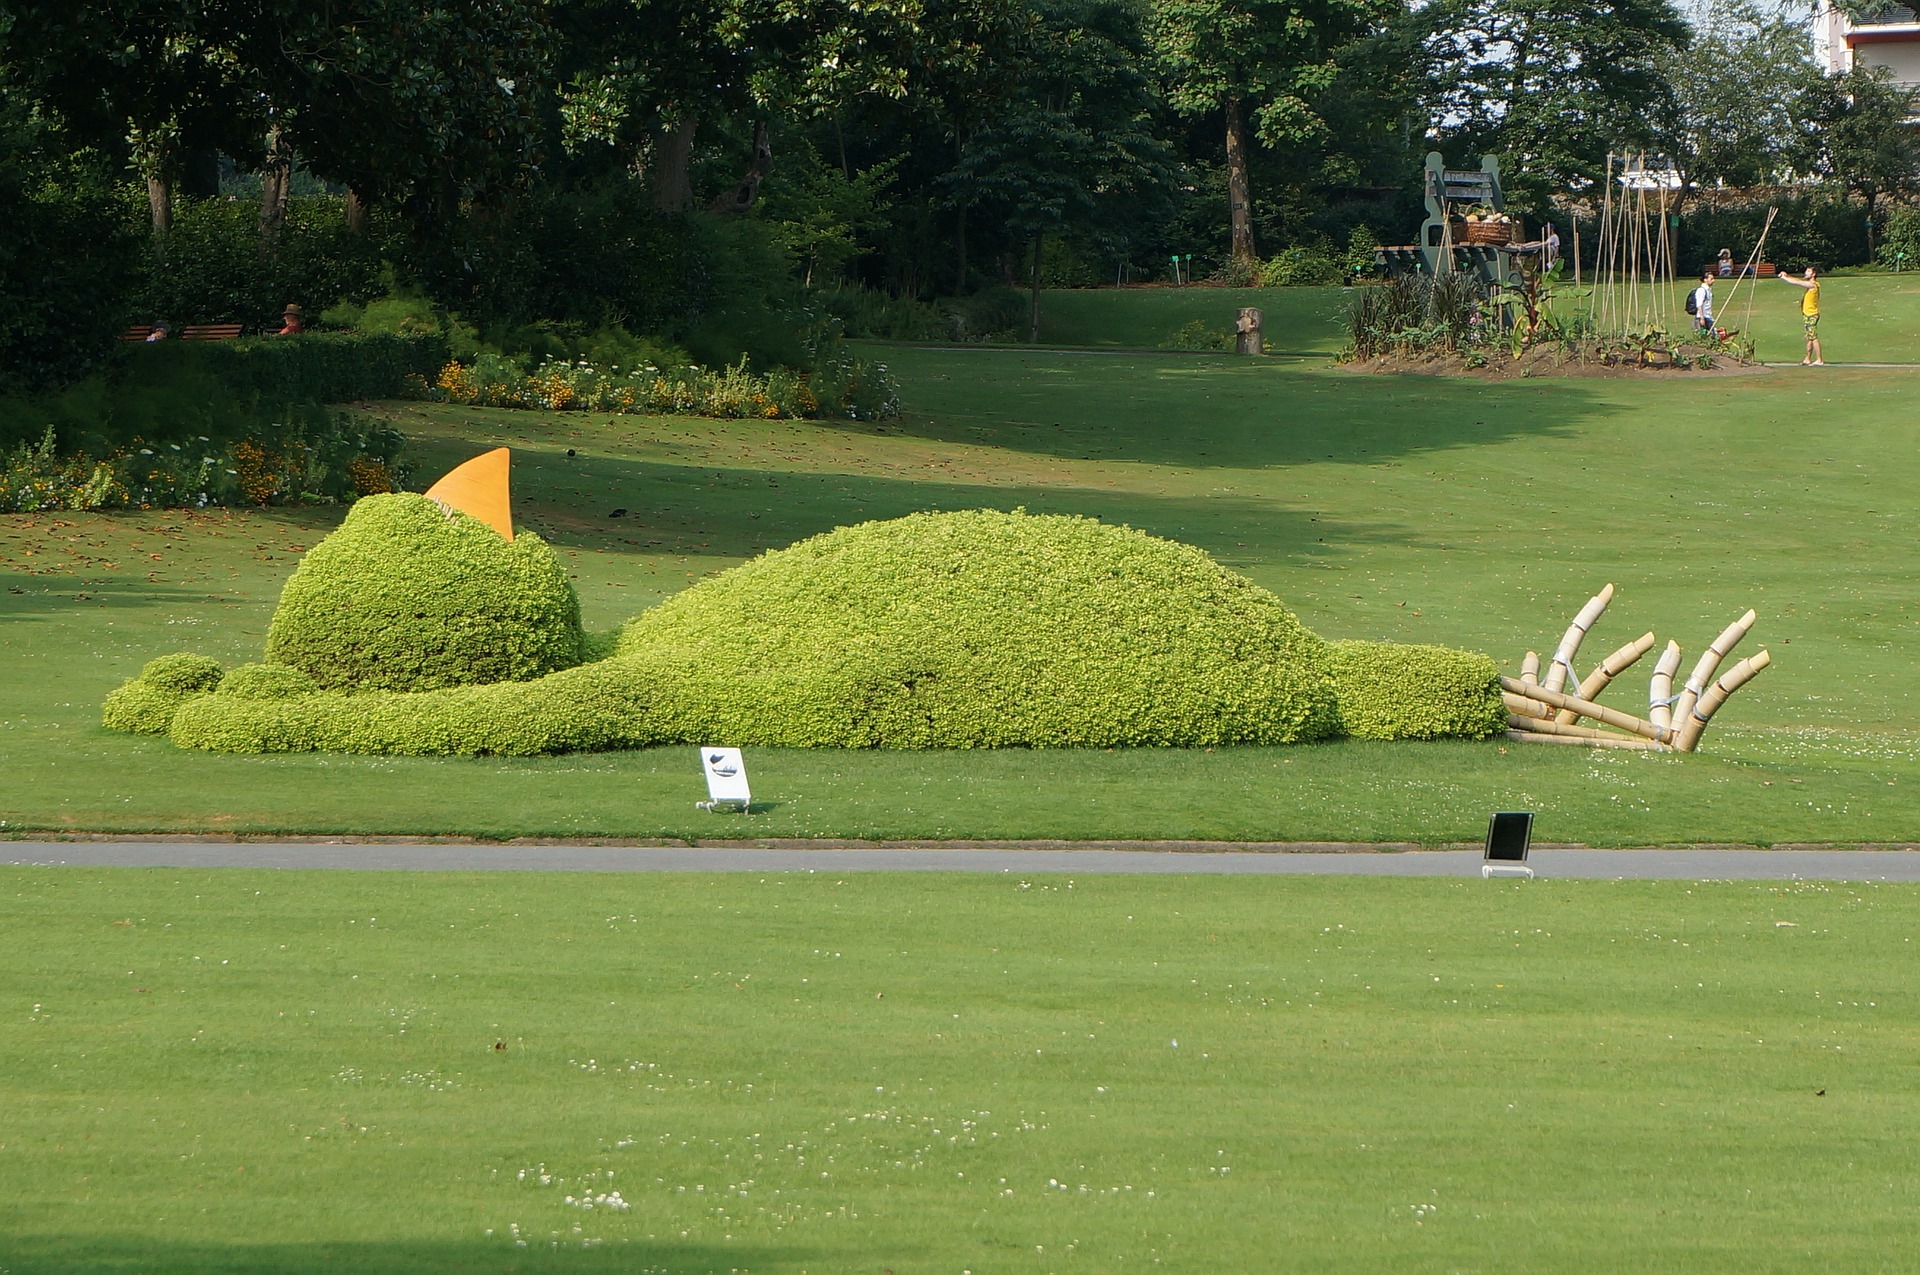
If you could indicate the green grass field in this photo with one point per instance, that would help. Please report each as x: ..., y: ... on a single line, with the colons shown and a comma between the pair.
x: 243, y: 1071
x: 1866, y: 318
x: 1416, y: 509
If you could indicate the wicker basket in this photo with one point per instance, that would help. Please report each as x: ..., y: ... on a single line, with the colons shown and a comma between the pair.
x: 1496, y: 233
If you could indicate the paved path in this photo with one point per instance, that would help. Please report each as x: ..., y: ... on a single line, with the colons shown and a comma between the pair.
x: 1690, y: 865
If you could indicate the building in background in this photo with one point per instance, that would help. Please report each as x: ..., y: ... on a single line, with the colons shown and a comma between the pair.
x: 1889, y: 36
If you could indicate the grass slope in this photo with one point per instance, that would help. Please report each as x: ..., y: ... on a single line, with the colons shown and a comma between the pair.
x: 1445, y: 511
x: 223, y: 1071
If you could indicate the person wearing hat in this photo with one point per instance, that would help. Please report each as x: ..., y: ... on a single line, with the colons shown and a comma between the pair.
x: 290, y: 324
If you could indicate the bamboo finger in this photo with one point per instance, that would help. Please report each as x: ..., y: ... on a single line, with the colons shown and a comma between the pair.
x: 1516, y: 721
x: 1709, y: 662
x: 1525, y: 707
x: 1562, y: 666
x: 1660, y: 694
x: 1739, y: 675
x: 1587, y: 708
x: 1609, y: 741
x: 1530, y: 668
x: 1611, y: 667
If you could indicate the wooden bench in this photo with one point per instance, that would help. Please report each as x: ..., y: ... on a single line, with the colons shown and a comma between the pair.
x: 138, y: 332
x: 210, y: 331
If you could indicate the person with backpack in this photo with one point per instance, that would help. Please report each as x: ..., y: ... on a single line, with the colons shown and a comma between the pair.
x: 1700, y: 304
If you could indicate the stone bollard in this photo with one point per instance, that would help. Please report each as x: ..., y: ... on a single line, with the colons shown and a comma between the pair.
x: 1248, y: 338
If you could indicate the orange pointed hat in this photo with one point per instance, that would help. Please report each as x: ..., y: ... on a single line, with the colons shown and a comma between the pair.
x: 480, y: 490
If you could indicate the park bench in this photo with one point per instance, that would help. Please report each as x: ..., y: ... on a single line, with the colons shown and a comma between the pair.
x: 192, y: 332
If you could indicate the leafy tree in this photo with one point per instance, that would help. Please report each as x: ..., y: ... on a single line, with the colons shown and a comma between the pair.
x: 1743, y: 95
x: 1079, y: 145
x: 1552, y: 86
x: 1866, y: 140
x: 1273, y: 60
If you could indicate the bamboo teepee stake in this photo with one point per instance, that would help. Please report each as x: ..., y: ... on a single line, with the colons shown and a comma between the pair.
x: 1660, y: 696
x: 1709, y: 661
x: 1562, y: 666
x: 1530, y: 668
x: 1716, y: 695
x: 1606, y: 741
x: 1587, y: 708
x: 1611, y: 667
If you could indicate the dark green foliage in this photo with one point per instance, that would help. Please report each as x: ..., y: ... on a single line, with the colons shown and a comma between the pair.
x: 65, y: 259
x: 182, y: 391
x: 266, y: 681
x: 146, y: 704
x: 1415, y: 313
x: 406, y: 597
x: 1809, y: 230
x: 210, y: 268
x: 1392, y: 691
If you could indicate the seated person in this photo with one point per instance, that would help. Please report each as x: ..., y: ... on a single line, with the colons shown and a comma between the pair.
x: 290, y: 324
x: 1726, y: 262
x: 161, y: 331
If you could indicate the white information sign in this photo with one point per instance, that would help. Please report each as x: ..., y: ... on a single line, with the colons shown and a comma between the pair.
x: 726, y: 779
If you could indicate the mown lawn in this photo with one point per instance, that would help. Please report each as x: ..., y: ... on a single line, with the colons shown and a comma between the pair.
x: 1415, y: 509
x: 396, y: 1072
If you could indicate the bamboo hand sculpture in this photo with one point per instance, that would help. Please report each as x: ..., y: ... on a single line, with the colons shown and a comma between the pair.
x: 1541, y: 710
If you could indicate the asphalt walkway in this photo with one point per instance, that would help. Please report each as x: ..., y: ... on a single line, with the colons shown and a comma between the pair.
x: 1688, y: 865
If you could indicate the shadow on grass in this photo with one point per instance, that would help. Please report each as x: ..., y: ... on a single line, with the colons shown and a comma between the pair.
x: 738, y: 512
x: 1224, y: 413
x: 25, y: 597
x: 75, y: 1254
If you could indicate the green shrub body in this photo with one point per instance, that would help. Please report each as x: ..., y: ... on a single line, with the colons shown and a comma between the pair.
x: 1391, y: 691
x: 405, y: 596
x: 985, y: 629
x: 145, y: 705
x: 266, y: 681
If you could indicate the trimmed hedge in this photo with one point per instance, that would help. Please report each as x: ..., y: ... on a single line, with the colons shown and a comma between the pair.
x: 266, y: 681
x: 1390, y: 691
x: 405, y: 596
x: 146, y: 704
x: 987, y: 630
x: 320, y: 367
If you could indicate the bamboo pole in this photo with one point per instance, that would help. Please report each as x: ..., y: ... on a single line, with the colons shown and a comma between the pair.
x: 1736, y: 677
x: 1660, y: 695
x: 1587, y: 708
x: 1562, y: 667
x: 1611, y: 667
x: 1521, y: 705
x: 1608, y: 741
x: 1746, y: 273
x: 1709, y: 661
x: 1530, y: 668
x: 1520, y: 721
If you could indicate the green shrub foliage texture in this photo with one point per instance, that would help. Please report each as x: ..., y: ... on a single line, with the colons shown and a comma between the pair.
x: 1391, y: 691
x: 146, y: 704
x: 960, y: 630
x: 406, y: 596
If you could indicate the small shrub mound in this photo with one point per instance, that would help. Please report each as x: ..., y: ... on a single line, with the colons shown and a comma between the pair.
x: 266, y: 681
x: 146, y: 704
x: 405, y: 596
x: 985, y: 629
x: 1390, y: 691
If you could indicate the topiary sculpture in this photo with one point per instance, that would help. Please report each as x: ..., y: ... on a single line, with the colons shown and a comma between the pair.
x: 407, y: 595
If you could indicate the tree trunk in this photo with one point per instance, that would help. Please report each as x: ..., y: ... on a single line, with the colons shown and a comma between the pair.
x: 1033, y: 296
x: 356, y: 212
x: 673, y: 165
x: 274, y: 179
x: 160, y: 202
x: 747, y: 189
x: 1239, y: 193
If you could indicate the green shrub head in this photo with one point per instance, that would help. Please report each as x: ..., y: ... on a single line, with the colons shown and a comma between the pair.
x: 983, y: 629
x: 183, y: 673
x: 146, y: 704
x: 266, y: 681
x: 1390, y: 691
x: 405, y: 596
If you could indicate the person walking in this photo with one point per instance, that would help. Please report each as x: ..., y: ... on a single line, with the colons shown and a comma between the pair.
x: 1700, y: 304
x: 1809, y: 314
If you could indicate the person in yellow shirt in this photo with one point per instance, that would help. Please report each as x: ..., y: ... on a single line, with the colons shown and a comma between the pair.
x: 1809, y: 314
